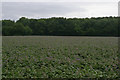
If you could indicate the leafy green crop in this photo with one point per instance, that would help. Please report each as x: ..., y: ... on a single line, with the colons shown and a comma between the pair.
x: 60, y: 57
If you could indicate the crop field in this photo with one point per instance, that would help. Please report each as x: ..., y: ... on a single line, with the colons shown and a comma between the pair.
x: 59, y: 57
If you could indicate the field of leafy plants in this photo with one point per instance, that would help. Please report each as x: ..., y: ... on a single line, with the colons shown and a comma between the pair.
x: 59, y: 57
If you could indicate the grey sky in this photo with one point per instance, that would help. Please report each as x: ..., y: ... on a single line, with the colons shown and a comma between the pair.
x: 59, y: 0
x: 15, y: 10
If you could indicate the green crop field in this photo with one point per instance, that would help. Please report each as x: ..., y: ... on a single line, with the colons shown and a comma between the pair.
x: 60, y: 57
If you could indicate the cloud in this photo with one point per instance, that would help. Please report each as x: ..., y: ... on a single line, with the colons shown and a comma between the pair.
x: 60, y: 0
x: 15, y: 10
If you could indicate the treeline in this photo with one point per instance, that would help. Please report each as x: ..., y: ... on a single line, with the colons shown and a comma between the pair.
x: 59, y: 26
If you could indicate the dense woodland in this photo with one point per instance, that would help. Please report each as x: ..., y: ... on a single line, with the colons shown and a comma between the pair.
x: 59, y: 26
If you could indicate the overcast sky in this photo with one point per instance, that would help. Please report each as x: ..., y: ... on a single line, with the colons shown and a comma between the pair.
x: 14, y: 9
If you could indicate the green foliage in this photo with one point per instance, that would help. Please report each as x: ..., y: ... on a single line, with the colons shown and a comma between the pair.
x: 104, y: 26
x: 16, y: 29
x: 60, y: 57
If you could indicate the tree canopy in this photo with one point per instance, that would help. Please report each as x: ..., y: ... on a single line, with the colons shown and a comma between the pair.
x: 59, y: 26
